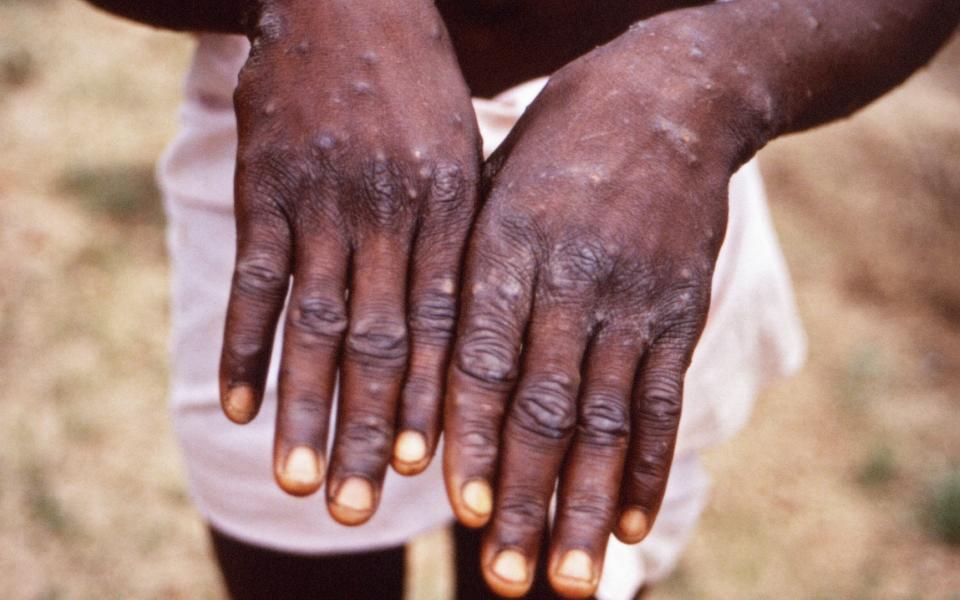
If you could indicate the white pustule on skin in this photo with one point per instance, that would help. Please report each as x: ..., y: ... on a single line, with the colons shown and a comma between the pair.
x: 362, y: 87
x: 447, y: 286
x: 325, y: 141
x: 270, y: 107
x: 682, y: 139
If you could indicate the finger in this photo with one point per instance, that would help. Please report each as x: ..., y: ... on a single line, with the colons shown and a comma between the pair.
x: 257, y: 293
x: 539, y: 427
x: 483, y: 369
x: 432, y: 315
x: 590, y: 485
x: 316, y: 320
x: 373, y: 365
x: 655, y: 419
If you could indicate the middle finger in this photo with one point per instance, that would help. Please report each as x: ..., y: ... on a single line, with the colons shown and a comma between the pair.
x: 539, y: 427
x: 374, y: 362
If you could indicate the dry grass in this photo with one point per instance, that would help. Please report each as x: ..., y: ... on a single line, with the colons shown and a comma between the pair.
x: 828, y: 493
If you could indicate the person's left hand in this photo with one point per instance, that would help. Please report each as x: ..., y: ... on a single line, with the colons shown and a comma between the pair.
x: 587, y: 287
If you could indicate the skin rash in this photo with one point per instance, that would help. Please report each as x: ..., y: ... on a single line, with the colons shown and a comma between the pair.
x: 557, y: 336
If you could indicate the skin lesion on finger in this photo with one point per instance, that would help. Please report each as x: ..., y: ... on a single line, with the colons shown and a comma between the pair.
x: 378, y: 341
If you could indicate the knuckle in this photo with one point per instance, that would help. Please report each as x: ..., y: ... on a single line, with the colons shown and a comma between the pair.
x: 648, y: 473
x: 319, y: 318
x: 662, y: 396
x: 449, y: 182
x: 578, y: 265
x: 382, y: 185
x: 266, y: 171
x: 368, y: 432
x: 689, y: 301
x: 306, y: 406
x: 546, y: 405
x: 262, y: 274
x: 432, y: 317
x: 242, y: 347
x: 487, y: 356
x: 604, y: 419
x: 591, y: 511
x: 378, y: 341
x: 522, y: 508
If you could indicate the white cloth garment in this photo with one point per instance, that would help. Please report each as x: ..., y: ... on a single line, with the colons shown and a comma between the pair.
x: 752, y: 336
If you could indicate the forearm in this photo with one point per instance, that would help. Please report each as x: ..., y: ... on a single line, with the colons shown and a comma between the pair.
x: 222, y: 16
x: 823, y: 59
x: 790, y: 65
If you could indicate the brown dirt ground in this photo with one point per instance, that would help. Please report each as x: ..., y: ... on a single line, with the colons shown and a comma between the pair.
x: 821, y: 495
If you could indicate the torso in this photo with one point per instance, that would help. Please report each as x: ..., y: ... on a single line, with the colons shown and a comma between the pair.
x: 501, y: 43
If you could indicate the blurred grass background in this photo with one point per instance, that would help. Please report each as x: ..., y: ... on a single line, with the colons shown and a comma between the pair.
x: 846, y: 483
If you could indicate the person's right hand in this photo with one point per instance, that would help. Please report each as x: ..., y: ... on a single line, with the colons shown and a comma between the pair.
x: 357, y: 170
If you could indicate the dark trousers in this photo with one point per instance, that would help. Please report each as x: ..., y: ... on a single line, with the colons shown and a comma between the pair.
x: 256, y: 573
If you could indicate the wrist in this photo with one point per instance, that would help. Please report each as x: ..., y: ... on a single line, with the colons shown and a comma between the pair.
x: 708, y: 80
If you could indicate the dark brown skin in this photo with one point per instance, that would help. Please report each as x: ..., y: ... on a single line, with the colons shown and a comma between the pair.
x: 587, y: 277
x: 342, y: 186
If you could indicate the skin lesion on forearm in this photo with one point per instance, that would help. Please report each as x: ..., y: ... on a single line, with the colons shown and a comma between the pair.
x: 820, y: 60
x: 217, y: 16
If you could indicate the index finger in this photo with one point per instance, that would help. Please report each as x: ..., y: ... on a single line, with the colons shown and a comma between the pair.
x: 496, y: 305
x: 257, y: 293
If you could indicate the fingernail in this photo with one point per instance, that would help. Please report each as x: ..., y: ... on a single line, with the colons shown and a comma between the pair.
x: 240, y: 403
x: 510, y: 566
x: 478, y: 497
x: 302, y: 473
x: 576, y: 564
x: 634, y: 523
x: 410, y: 447
x: 355, y: 494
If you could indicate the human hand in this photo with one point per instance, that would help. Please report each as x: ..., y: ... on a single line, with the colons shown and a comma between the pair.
x: 357, y: 170
x: 586, y: 289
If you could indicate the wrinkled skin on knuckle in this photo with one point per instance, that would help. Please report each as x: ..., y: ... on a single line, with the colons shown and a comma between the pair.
x: 319, y: 318
x: 521, y: 511
x: 367, y: 437
x: 433, y: 317
x: 577, y: 268
x: 546, y: 406
x: 270, y: 183
x: 662, y: 401
x: 647, y: 479
x: 604, y: 420
x: 261, y: 275
x: 242, y: 347
x: 451, y: 186
x: 507, y: 227
x: 591, y: 513
x: 383, y: 190
x: 378, y: 341
x: 305, y: 406
x: 487, y: 350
